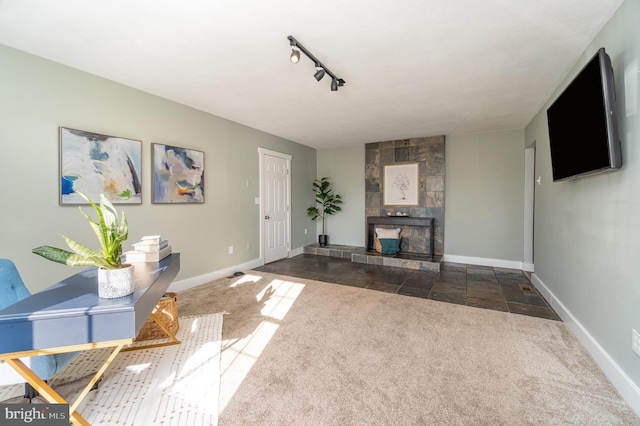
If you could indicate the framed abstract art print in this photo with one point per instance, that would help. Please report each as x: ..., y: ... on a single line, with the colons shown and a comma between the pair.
x: 178, y: 174
x: 94, y: 164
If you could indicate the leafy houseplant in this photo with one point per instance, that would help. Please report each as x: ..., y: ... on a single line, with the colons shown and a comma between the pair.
x: 327, y: 204
x: 111, y: 232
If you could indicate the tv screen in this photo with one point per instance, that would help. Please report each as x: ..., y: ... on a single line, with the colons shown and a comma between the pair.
x: 583, y: 129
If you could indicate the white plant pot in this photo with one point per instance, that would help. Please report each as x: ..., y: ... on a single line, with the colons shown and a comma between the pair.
x: 113, y: 283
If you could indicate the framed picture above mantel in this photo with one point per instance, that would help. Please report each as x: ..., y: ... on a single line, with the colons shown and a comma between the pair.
x: 401, y: 183
x: 94, y: 164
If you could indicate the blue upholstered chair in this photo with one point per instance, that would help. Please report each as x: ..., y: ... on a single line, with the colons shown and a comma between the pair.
x: 12, y: 289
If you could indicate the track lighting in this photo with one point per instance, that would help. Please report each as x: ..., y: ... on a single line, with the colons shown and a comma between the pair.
x: 296, y: 48
x: 319, y: 73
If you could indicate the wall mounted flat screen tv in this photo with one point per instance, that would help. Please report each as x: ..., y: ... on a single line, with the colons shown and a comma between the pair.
x: 583, y: 128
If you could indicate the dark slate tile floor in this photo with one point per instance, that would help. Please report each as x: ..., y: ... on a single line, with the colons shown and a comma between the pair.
x: 506, y: 290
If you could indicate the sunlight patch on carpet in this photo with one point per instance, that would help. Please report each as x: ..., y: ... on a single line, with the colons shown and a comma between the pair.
x: 246, y: 279
x: 281, y: 298
x: 277, y: 299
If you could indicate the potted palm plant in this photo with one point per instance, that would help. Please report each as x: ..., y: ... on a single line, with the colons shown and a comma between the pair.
x: 115, y: 279
x: 327, y: 203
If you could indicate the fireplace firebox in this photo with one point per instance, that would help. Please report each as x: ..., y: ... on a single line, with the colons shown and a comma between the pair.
x: 401, y: 221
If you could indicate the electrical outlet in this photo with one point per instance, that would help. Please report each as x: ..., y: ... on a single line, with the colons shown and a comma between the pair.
x: 635, y: 342
x: 230, y: 249
x: 248, y: 246
x: 305, y: 231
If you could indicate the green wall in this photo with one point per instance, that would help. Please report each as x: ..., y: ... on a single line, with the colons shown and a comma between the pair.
x: 345, y: 169
x: 38, y: 96
x: 587, y: 233
x: 484, y: 204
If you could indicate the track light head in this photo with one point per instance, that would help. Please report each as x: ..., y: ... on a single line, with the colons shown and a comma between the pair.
x: 295, y: 55
x: 319, y: 73
x: 334, y: 85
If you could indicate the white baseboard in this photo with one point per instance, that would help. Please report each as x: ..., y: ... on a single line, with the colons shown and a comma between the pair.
x: 296, y: 252
x: 528, y: 267
x: 497, y: 263
x: 188, y: 283
x: 622, y: 382
x: 216, y: 275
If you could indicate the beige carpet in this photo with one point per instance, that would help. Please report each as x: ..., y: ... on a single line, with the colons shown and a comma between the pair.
x: 301, y: 352
x: 173, y: 385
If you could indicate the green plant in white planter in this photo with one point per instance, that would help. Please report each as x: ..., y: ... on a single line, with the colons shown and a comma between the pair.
x: 327, y: 204
x: 115, y: 279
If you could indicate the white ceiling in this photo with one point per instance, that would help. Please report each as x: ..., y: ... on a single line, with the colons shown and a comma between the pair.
x: 412, y: 67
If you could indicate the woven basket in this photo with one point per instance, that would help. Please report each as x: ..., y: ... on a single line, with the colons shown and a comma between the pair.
x: 167, y: 313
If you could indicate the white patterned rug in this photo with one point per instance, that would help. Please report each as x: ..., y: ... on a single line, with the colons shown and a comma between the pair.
x: 171, y: 385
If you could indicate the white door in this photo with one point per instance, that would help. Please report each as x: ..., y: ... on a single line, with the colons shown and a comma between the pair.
x: 275, y: 204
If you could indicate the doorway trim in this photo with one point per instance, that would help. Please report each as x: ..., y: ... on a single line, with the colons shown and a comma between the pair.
x: 529, y: 205
x: 261, y: 154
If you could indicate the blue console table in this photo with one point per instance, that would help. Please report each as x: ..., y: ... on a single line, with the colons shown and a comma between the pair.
x: 69, y: 316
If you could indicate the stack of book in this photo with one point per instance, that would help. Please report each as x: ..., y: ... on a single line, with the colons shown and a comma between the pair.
x: 150, y: 248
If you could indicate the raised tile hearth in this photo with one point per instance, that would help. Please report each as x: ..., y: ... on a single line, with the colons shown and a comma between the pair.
x: 414, y: 261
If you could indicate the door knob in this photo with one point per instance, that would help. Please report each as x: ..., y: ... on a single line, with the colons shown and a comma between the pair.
x: 266, y: 217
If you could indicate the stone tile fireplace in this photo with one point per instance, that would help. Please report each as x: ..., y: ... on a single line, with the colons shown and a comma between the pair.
x: 429, y: 154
